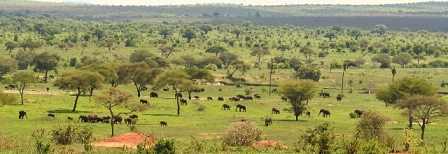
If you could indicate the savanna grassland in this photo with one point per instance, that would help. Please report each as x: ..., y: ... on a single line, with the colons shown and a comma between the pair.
x: 86, y: 35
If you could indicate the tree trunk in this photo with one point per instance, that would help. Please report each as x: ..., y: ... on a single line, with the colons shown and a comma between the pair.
x: 410, y: 122
x: 178, y: 106
x: 21, y: 95
x: 91, y: 91
x: 76, y: 100
x: 259, y: 62
x: 45, y: 78
x: 189, y: 95
x: 112, y: 121
x: 231, y: 74
x: 297, y: 118
x: 138, y: 89
x: 423, y: 126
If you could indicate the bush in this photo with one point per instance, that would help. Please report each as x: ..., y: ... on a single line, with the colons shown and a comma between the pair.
x: 241, y: 134
x: 165, y: 146
x: 201, y: 107
x: 371, y: 125
x: 319, y: 139
x: 352, y: 115
x: 66, y: 135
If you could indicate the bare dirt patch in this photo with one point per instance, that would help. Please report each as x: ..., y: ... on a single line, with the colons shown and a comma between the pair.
x: 128, y: 139
x: 268, y: 144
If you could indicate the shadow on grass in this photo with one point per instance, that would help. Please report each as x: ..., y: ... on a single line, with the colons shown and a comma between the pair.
x: 235, y: 80
x: 66, y: 111
x: 292, y: 120
x: 86, y: 95
x: 171, y: 115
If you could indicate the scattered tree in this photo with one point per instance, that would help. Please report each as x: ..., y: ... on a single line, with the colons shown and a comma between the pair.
x: 189, y: 34
x: 45, y: 62
x: 24, y: 59
x: 21, y: 80
x: 178, y: 79
x: 382, y: 58
x: 371, y: 125
x: 167, y: 51
x: 7, y: 66
x: 227, y: 58
x: 283, y: 48
x: 139, y: 74
x: 10, y: 46
x: 402, y: 59
x: 239, y: 65
x: 259, y: 52
x: 307, y: 72
x: 297, y: 91
x: 6, y: 98
x: 216, y: 50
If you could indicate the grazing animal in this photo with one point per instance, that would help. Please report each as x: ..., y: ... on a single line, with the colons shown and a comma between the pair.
x: 226, y: 107
x: 51, y: 115
x: 106, y: 119
x: 196, y: 97
x: 163, y: 123
x: 241, y: 107
x: 359, y: 112
x: 48, y: 89
x: 166, y: 89
x: 128, y: 121
x: 324, y: 112
x: 117, y: 119
x: 51, y: 76
x: 249, y: 98
x: 220, y: 99
x: 143, y: 88
x: 234, y: 99
x: 284, y: 98
x: 257, y: 96
x: 144, y: 101
x: 324, y: 94
x: 241, y: 97
x: 267, y: 121
x: 70, y: 118
x: 153, y: 94
x: 275, y: 111
x: 308, y: 113
x: 339, y: 98
x: 133, y: 116
x: 98, y: 120
x: 209, y: 98
x: 22, y: 114
x: 183, y: 101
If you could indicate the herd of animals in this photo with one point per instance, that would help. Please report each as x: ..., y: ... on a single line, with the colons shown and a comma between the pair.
x: 117, y: 119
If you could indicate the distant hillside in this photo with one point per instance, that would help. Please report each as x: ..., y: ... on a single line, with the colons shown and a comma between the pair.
x: 232, y: 13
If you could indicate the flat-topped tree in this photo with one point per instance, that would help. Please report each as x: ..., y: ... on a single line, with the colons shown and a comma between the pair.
x: 165, y: 32
x: 283, y: 48
x: 259, y: 52
x: 139, y: 74
x: 105, y: 70
x: 206, y: 28
x: 189, y: 34
x: 21, y: 80
x: 11, y: 46
x: 297, y: 91
x: 45, y: 62
x: 110, y: 98
x: 227, y: 58
x: 239, y: 65
x: 79, y: 81
x: 178, y: 79
x: 167, y: 51
x: 198, y: 74
x: 216, y: 50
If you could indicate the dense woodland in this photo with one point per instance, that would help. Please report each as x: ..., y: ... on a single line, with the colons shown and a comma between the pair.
x: 79, y: 50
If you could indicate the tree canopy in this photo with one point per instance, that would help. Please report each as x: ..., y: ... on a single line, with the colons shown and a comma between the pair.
x: 45, y: 62
x: 297, y: 91
x: 21, y: 80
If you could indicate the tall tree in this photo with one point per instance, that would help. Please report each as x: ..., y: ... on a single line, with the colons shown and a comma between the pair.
x: 108, y: 43
x: 355, y: 33
x: 206, y: 28
x: 216, y: 50
x: 24, y: 59
x: 422, y: 109
x: 189, y: 34
x: 45, y: 62
x: 227, y: 58
x: 79, y: 81
x: 167, y: 51
x: 239, y: 65
x: 308, y: 72
x: 105, y: 70
x: 259, y: 52
x: 402, y: 58
x: 283, y: 48
x: 178, y: 79
x: 110, y: 98
x: 297, y: 91
x: 139, y: 74
x: 165, y: 32
x: 403, y: 88
x: 308, y: 52
x: 21, y: 80
x: 10, y: 46
x: 7, y: 65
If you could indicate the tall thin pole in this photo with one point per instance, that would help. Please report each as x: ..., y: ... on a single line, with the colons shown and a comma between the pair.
x: 270, y: 75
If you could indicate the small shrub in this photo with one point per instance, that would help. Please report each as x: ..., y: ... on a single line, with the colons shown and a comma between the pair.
x: 352, y: 115
x: 241, y: 134
x: 66, y: 135
x: 165, y: 146
x: 43, y: 146
x: 141, y: 148
x: 319, y: 139
x: 371, y: 125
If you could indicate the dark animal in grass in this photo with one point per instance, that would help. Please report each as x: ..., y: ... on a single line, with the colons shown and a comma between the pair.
x: 267, y: 121
x: 284, y: 98
x: 83, y: 118
x: 234, y: 99
x: 275, y: 111
x: 209, y: 98
x: 133, y: 116
x: 324, y: 112
x: 143, y: 88
x: 308, y: 113
x: 10, y: 86
x: 257, y: 96
x: 249, y: 98
x: 359, y: 112
x: 128, y: 121
x: 196, y: 97
x: 48, y: 89
x: 144, y: 101
x: 241, y: 97
x: 51, y: 115
x: 92, y: 118
x: 118, y: 119
x: 240, y: 107
x: 324, y: 94
x: 163, y: 123
x: 22, y: 114
x: 226, y: 107
x: 183, y: 101
x: 220, y: 98
x: 244, y: 120
x: 99, y: 119
x: 339, y: 98
x: 166, y: 89
x: 106, y: 119
x: 153, y: 94
x: 51, y: 76
x: 70, y: 118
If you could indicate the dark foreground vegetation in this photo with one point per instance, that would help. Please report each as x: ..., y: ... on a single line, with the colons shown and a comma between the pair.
x: 226, y: 79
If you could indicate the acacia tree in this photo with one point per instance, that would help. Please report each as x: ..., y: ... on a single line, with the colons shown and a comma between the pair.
x: 402, y: 59
x: 165, y: 32
x: 7, y: 65
x: 167, y: 51
x: 24, y: 59
x: 198, y: 74
x: 139, y: 74
x: 110, y: 98
x: 239, y: 65
x: 283, y: 48
x: 106, y: 70
x: 402, y: 88
x: 227, y: 58
x: 297, y: 91
x: 422, y: 108
x: 259, y: 52
x: 45, y: 62
x: 216, y: 50
x: 21, y: 80
x: 189, y: 34
x: 11, y: 46
x: 79, y: 81
x: 178, y: 79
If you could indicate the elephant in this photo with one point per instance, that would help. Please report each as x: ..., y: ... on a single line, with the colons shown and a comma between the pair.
x: 51, y: 115
x: 118, y: 119
x: 163, y: 123
x: 22, y: 114
x: 183, y: 101
x: 226, y: 106
x: 241, y: 107
x: 324, y: 112
x: 359, y: 112
x: 267, y: 121
x: 275, y: 111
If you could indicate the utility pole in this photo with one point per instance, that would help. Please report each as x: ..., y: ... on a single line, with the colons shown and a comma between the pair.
x: 271, y: 67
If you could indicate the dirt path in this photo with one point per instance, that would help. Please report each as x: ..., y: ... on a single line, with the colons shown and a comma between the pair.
x: 51, y: 92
